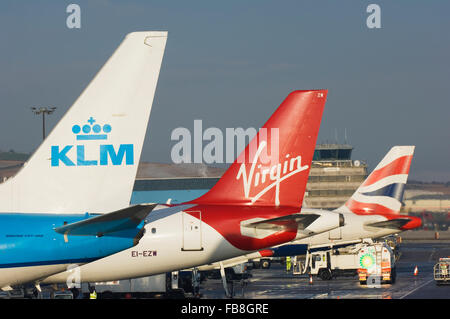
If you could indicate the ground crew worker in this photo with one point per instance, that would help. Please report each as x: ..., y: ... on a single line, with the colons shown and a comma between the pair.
x: 288, y: 263
x: 93, y: 294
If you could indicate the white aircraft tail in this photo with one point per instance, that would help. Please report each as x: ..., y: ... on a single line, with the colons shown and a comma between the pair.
x: 88, y: 163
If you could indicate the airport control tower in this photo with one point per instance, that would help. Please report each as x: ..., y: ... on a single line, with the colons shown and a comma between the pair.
x: 333, y: 177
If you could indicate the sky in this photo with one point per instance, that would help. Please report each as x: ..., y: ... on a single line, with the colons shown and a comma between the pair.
x: 231, y: 63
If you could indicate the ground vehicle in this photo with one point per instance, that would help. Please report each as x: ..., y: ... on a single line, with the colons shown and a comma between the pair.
x: 236, y: 272
x: 371, y: 261
x: 12, y: 294
x: 265, y: 262
x: 442, y: 271
x: 376, y: 264
x: 332, y: 263
x: 16, y: 293
x: 61, y: 295
x: 171, y: 285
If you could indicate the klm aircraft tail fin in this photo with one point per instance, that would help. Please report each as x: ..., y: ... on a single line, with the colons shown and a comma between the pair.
x: 88, y: 163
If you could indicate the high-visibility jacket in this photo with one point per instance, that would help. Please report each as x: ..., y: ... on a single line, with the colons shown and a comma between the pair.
x: 93, y: 295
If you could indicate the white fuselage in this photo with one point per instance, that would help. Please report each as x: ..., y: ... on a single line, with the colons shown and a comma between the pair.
x: 173, y: 242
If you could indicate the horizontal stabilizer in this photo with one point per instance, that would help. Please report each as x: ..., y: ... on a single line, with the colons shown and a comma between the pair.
x: 297, y: 221
x: 397, y: 223
x: 100, y: 225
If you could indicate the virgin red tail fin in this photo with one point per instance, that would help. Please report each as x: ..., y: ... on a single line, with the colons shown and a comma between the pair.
x: 274, y: 167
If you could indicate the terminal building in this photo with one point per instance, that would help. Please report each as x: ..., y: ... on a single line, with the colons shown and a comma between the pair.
x: 173, y: 183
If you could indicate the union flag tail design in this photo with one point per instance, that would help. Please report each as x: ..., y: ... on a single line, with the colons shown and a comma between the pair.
x: 382, y: 191
x: 274, y: 167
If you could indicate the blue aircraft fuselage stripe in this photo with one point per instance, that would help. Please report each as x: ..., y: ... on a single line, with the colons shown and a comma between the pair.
x: 30, y: 240
x: 48, y: 262
x: 290, y: 250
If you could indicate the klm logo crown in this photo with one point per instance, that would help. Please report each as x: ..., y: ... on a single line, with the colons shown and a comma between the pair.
x: 91, y: 131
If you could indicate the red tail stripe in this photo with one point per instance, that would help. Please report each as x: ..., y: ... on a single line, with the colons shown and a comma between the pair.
x: 414, y: 223
x: 368, y: 208
x: 399, y: 166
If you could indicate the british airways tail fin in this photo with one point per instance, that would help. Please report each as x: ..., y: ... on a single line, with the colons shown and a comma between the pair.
x: 382, y: 191
x: 274, y: 167
x: 88, y: 163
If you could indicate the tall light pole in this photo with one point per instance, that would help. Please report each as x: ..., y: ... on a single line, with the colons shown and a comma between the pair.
x: 43, y: 111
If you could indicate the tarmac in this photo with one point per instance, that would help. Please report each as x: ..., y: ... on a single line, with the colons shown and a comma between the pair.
x: 276, y: 283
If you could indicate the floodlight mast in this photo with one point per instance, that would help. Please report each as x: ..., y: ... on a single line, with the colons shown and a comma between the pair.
x: 43, y: 111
